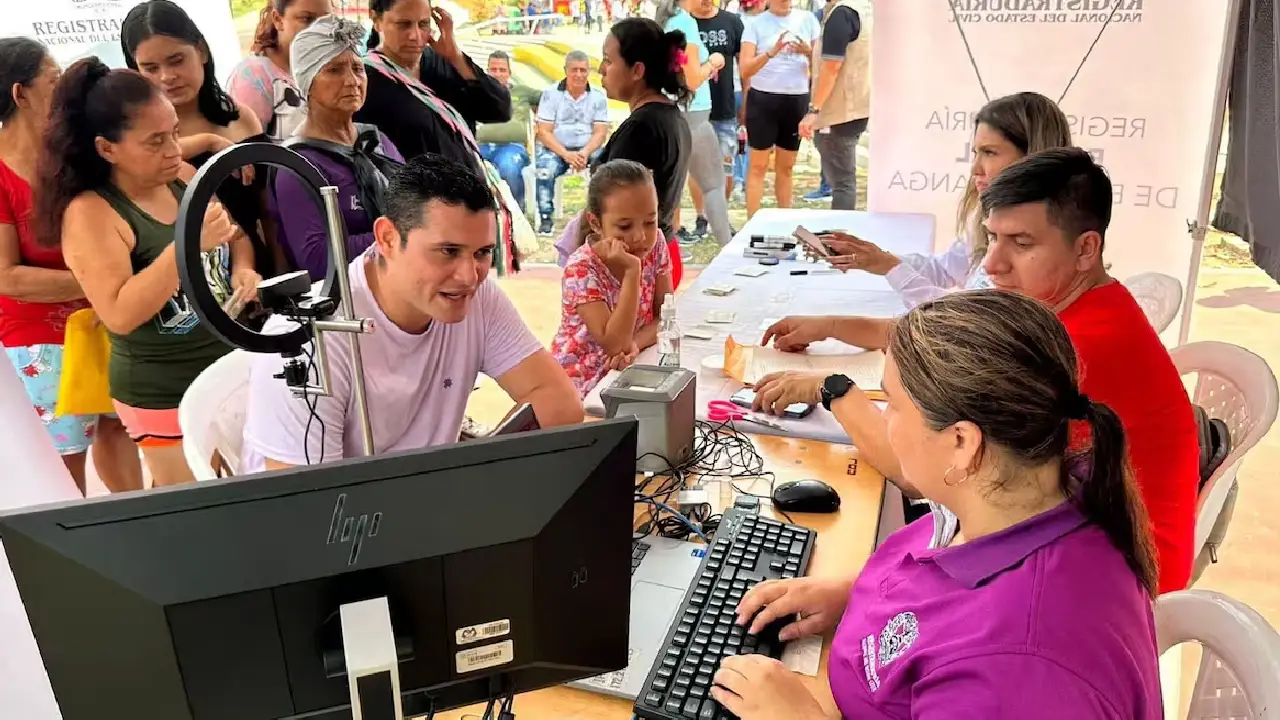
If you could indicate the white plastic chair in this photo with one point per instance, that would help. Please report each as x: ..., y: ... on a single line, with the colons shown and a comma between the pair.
x: 1237, y: 387
x: 1239, y: 674
x: 211, y: 414
x: 1159, y: 295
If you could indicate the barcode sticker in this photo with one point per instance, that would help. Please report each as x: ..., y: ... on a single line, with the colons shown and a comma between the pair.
x: 485, y: 656
x: 484, y: 631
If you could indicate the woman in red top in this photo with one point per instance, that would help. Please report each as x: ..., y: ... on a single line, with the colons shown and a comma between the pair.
x: 37, y: 292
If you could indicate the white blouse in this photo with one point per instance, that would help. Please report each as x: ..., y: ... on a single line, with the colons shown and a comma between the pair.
x: 921, y: 278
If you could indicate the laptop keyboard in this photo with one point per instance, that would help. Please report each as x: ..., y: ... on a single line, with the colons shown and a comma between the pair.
x: 748, y: 549
x: 638, y: 550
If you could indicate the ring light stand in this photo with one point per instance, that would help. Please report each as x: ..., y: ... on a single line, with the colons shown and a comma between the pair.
x: 371, y: 661
x: 330, y: 310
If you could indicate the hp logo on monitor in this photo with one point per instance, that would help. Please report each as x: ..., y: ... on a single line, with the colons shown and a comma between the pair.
x: 344, y: 528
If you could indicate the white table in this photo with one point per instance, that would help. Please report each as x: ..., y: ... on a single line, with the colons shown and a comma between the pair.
x: 778, y: 293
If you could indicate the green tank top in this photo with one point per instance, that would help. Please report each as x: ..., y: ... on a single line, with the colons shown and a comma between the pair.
x: 154, y: 365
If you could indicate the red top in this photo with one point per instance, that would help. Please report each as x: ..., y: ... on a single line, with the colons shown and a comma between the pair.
x: 1124, y: 365
x: 28, y: 323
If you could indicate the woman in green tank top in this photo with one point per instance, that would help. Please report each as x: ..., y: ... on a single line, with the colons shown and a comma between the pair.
x: 111, y: 177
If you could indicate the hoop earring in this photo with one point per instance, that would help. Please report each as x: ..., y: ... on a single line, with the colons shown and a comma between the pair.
x: 947, y: 474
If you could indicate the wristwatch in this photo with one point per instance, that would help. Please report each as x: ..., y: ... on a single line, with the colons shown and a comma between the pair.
x: 834, y: 388
x: 815, y: 110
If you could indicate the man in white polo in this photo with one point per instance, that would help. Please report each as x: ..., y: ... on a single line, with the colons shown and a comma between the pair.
x: 573, y: 124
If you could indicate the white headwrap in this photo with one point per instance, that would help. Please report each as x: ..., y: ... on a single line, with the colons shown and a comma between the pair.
x: 314, y: 47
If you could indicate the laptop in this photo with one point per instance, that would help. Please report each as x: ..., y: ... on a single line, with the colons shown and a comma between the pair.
x: 661, y: 571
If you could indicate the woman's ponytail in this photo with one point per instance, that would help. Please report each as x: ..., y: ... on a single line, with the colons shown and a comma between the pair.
x: 1108, y: 494
x: 69, y: 161
x: 672, y: 74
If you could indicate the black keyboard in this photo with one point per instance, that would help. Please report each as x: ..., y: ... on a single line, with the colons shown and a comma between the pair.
x: 747, y: 549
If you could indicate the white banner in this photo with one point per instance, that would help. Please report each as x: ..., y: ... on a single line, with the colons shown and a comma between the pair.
x: 33, y: 475
x: 1141, y: 103
x: 74, y: 29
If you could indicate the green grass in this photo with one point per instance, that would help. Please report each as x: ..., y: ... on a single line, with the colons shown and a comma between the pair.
x: 244, y: 7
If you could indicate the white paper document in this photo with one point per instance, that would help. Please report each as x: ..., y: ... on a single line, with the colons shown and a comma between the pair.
x: 865, y: 369
x: 803, y: 655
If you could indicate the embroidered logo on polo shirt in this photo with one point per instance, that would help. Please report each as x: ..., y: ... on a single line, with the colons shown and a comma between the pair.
x: 901, y: 632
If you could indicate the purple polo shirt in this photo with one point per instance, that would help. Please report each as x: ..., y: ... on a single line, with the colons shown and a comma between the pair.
x: 1041, y: 620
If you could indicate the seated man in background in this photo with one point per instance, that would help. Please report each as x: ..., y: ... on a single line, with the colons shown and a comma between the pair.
x: 1047, y: 216
x: 505, y: 144
x: 438, y: 323
x: 573, y: 124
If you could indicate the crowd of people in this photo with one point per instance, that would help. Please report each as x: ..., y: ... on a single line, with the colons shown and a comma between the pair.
x: 1029, y: 400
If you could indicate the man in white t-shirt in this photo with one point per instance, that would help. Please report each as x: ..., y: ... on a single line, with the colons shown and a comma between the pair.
x: 438, y: 320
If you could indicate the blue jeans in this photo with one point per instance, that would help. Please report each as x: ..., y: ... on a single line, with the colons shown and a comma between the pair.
x: 551, y: 166
x: 510, y: 160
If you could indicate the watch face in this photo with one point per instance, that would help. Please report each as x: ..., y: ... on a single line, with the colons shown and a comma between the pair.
x: 837, y: 385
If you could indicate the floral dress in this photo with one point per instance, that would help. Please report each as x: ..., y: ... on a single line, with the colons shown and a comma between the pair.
x: 586, y: 280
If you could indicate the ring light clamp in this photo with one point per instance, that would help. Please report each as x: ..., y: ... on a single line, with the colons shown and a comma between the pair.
x: 200, y: 192
x: 329, y: 311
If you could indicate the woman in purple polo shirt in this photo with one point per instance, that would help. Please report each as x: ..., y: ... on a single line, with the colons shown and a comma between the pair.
x: 1029, y: 595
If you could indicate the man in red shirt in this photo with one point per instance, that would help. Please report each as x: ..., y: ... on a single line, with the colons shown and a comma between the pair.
x: 1047, y: 216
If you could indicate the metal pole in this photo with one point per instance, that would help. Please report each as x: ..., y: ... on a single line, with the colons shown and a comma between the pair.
x: 1198, y: 227
x: 338, y: 257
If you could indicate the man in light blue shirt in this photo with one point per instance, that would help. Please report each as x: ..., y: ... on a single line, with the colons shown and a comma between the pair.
x: 573, y: 124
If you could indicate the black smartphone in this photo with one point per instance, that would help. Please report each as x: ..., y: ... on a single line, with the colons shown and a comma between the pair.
x: 746, y: 396
x: 522, y: 420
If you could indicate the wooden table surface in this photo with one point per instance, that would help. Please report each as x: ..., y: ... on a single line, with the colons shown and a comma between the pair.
x: 845, y: 540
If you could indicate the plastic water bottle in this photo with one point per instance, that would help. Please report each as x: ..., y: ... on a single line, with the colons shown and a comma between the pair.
x: 669, y: 334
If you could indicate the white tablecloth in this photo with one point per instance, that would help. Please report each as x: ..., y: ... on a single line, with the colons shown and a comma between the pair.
x: 778, y: 293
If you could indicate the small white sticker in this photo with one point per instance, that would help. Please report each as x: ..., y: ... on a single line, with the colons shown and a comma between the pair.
x: 485, y: 656
x: 484, y: 631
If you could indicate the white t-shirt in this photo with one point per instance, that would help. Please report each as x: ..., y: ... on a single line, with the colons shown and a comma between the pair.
x: 416, y: 386
x: 788, y: 73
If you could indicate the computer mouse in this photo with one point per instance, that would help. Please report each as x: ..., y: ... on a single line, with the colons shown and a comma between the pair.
x: 806, y: 496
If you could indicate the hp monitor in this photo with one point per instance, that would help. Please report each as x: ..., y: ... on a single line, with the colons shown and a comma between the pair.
x: 504, y: 564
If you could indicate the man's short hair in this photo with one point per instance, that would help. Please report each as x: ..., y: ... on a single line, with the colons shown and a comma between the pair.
x: 433, y: 177
x: 1075, y: 190
x: 574, y: 56
x: 500, y: 55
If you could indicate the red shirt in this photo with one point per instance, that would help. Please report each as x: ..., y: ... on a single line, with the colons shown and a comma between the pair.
x: 1124, y: 365
x: 27, y: 323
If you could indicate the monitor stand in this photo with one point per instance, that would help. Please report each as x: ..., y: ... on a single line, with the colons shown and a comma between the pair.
x: 373, y: 672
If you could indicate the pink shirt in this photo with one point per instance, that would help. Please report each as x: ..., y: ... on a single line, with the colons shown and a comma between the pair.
x: 586, y: 280
x: 417, y: 386
x: 1042, y: 620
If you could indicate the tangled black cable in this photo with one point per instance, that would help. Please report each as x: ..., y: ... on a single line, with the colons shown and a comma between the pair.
x: 720, y: 451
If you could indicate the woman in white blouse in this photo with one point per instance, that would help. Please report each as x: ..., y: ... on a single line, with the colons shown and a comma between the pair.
x: 1005, y: 130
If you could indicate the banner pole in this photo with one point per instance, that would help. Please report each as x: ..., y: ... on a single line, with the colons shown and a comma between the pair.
x: 1198, y: 227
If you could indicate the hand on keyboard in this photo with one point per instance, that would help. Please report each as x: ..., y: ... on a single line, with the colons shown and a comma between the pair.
x: 748, y: 550
x: 754, y: 687
x: 819, y: 602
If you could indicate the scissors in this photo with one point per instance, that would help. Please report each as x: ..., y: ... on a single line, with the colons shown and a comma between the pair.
x: 722, y: 411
